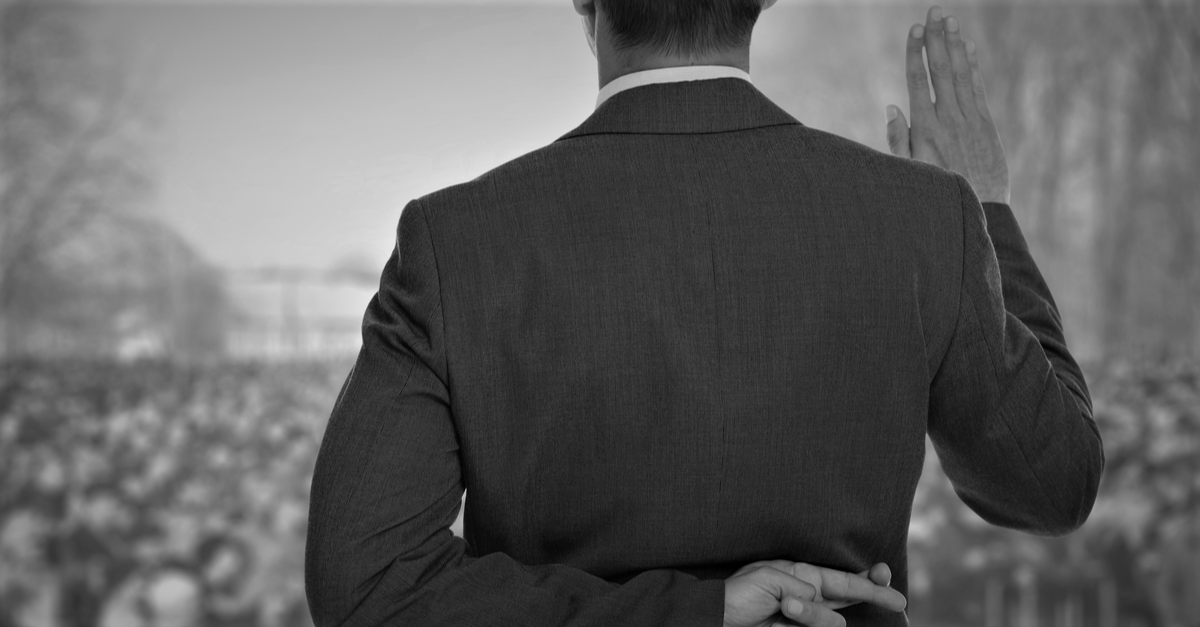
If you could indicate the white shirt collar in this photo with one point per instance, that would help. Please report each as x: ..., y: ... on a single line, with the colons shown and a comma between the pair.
x: 669, y: 75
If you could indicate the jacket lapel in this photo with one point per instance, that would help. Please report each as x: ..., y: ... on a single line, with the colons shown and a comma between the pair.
x: 707, y: 106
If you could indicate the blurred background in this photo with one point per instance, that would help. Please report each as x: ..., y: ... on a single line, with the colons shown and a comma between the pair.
x: 196, y: 201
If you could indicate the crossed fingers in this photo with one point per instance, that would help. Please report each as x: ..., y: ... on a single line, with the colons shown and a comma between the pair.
x: 842, y: 586
x: 839, y: 589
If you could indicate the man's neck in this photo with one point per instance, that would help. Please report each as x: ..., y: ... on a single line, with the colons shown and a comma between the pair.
x: 612, y: 67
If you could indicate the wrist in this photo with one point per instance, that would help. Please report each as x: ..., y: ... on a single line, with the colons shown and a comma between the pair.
x: 986, y: 194
x: 994, y: 193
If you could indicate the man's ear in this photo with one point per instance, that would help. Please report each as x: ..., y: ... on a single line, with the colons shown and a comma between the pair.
x: 587, y: 10
x: 767, y: 4
x: 589, y: 32
x: 585, y: 7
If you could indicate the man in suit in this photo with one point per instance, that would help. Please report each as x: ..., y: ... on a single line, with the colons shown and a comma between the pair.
x: 683, y: 360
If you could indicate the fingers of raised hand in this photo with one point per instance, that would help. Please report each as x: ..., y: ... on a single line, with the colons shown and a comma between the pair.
x: 940, y: 69
x: 897, y: 133
x: 977, y: 82
x: 964, y: 91
x: 811, y: 614
x: 919, y: 100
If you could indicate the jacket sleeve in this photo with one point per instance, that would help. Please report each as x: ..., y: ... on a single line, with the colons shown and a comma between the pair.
x: 1010, y: 415
x: 387, y: 486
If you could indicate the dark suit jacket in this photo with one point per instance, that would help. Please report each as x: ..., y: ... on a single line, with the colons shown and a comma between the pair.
x: 690, y: 334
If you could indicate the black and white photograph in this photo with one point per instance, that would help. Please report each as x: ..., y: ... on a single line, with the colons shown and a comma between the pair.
x: 599, y: 313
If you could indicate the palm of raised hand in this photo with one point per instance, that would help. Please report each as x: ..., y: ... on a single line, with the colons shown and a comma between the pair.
x: 957, y: 131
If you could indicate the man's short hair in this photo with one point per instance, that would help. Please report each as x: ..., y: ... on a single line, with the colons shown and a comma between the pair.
x: 681, y: 27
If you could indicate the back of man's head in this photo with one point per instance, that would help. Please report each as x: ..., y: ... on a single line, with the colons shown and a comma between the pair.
x: 680, y: 27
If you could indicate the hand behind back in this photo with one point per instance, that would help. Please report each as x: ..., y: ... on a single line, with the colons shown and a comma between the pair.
x: 779, y: 593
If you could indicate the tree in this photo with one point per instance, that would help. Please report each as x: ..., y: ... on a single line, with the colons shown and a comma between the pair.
x: 82, y: 272
x: 78, y: 265
x: 1104, y: 138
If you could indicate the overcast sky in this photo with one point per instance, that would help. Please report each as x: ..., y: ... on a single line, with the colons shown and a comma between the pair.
x: 295, y: 136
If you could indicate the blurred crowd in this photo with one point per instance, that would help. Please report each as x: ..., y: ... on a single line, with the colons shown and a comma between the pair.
x: 152, y: 493
x: 157, y: 494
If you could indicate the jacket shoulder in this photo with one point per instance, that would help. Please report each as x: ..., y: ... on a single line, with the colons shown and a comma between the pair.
x: 515, y: 180
x: 848, y: 155
x: 862, y: 171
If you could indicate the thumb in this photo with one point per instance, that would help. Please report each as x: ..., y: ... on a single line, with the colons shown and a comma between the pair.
x: 880, y: 574
x: 811, y: 614
x: 897, y: 132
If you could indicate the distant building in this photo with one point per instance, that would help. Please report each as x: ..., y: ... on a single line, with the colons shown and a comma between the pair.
x: 289, y: 313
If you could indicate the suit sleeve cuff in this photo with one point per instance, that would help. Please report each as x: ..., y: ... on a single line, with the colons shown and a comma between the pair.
x: 710, y: 603
x: 1005, y: 233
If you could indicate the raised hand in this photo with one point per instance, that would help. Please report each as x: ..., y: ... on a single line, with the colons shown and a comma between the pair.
x: 779, y: 593
x: 956, y: 132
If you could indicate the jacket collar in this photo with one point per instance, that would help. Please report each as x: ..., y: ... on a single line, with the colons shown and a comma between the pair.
x: 706, y: 106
